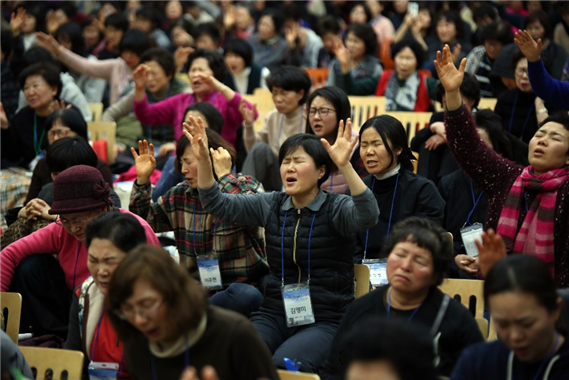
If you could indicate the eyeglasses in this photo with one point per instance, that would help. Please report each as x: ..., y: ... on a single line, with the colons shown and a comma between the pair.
x: 68, y: 223
x: 521, y: 72
x: 148, y: 311
x: 322, y: 111
x: 58, y: 133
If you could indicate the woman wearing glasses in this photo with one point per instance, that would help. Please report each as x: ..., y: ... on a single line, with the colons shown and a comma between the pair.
x: 109, y: 239
x: 326, y: 107
x: 161, y: 315
x: 27, y: 266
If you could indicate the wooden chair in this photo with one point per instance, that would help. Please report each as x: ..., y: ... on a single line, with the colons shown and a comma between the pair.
x: 468, y: 292
x: 263, y: 98
x: 483, y: 326
x: 492, y: 335
x: 287, y: 375
x: 362, y: 275
x: 487, y: 103
x: 11, y: 304
x: 54, y: 362
x: 96, y: 110
x: 365, y: 107
x: 318, y: 76
x: 104, y: 130
x: 412, y: 121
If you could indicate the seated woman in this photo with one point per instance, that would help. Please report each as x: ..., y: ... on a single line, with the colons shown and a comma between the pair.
x: 28, y: 266
x: 309, y: 240
x: 161, y: 315
x: 398, y: 191
x: 356, y: 62
x: 268, y: 44
x: 289, y: 86
x: 520, y: 109
x: 326, y: 107
x: 418, y: 252
x: 109, y: 239
x: 523, y: 302
x: 405, y: 89
x: 524, y: 202
x: 243, y: 75
x: 237, y: 249
x: 206, y: 71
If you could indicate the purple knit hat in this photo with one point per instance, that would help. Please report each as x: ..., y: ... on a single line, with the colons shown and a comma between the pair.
x: 79, y: 188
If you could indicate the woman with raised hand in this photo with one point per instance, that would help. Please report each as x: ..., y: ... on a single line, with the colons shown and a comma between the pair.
x: 309, y: 236
x: 527, y: 206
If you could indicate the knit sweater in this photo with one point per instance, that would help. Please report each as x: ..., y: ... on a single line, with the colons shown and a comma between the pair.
x: 496, y: 175
x: 55, y: 240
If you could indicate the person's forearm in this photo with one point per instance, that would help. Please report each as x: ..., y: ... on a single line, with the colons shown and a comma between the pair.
x: 401, y: 32
x: 249, y: 136
x: 355, y: 183
x: 205, y: 174
x: 139, y: 94
x: 226, y: 92
x: 454, y: 101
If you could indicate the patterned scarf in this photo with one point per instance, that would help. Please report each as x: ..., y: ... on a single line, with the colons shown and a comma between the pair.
x: 536, y: 234
x: 402, y: 98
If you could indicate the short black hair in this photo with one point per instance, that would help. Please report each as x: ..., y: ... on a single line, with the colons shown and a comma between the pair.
x: 161, y: 56
x: 37, y: 54
x: 136, y: 41
x: 454, y: 18
x: 427, y: 234
x: 367, y: 11
x: 291, y: 11
x: 122, y: 229
x: 72, y: 31
x: 276, y: 17
x: 150, y: 13
x: 290, y: 78
x: 338, y: 98
x: 70, y: 151
x: 71, y: 118
x: 470, y: 89
x: 38, y: 11
x: 117, y: 20
x: 516, y: 58
x: 240, y: 47
x: 415, y: 47
x: 184, y: 24
x: 558, y: 117
x: 497, y: 31
x: 492, y: 124
x: 213, y: 117
x: 485, y: 10
x: 214, y: 59
x: 366, y: 33
x: 541, y: 17
x: 50, y: 73
x: 209, y: 29
x: 328, y: 24
x: 313, y: 147
x: 68, y: 8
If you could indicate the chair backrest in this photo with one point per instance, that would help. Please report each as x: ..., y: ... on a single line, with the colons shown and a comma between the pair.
x: 96, y: 110
x: 287, y: 375
x: 11, y: 304
x: 483, y: 326
x: 487, y: 103
x: 263, y: 98
x: 60, y: 363
x: 362, y: 275
x: 492, y: 335
x: 365, y: 107
x: 412, y: 121
x: 318, y: 76
x: 468, y: 292
x: 104, y: 130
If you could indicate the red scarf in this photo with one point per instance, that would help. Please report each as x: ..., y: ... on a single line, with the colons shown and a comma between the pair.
x: 536, y: 234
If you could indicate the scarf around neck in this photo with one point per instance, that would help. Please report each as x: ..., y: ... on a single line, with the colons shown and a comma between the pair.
x: 536, y: 233
x: 402, y: 98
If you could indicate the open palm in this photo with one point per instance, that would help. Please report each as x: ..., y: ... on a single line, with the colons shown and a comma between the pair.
x: 450, y: 77
x: 342, y: 149
x: 195, y: 132
x: 145, y: 162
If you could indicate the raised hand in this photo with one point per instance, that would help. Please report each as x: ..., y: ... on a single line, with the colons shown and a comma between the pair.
x: 342, y: 149
x: 49, y: 42
x: 181, y: 56
x: 247, y: 113
x: 491, y: 250
x: 140, y: 76
x: 450, y: 77
x: 144, y: 161
x: 291, y: 34
x: 58, y: 105
x: 195, y: 132
x: 3, y: 118
x: 166, y: 148
x: 16, y: 21
x: 221, y: 161
x: 528, y: 46
x: 211, y: 81
x: 456, y: 52
x: 342, y: 54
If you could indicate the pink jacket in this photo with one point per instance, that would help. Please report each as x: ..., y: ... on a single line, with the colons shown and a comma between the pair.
x: 54, y: 239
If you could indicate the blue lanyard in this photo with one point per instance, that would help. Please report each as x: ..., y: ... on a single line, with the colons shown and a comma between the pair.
x: 193, y: 98
x: 475, y: 201
x: 547, y: 358
x: 282, y: 249
x: 331, y: 181
x: 367, y: 231
x: 527, y: 117
x: 37, y: 145
x: 526, y: 195
x: 392, y: 204
x: 282, y: 122
x: 153, y: 361
x: 97, y: 339
x: 389, y: 307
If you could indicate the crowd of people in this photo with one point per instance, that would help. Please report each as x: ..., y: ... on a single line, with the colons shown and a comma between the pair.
x: 268, y: 220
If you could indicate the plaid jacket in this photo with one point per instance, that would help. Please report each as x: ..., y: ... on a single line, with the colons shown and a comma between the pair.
x: 240, y: 249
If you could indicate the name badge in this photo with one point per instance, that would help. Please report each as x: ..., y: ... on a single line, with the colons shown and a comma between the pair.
x: 297, y: 304
x: 103, y: 371
x: 377, y: 271
x: 469, y: 235
x: 210, y: 275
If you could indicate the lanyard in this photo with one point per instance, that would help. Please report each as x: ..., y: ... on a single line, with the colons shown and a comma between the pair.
x: 392, y: 204
x: 186, y: 361
x: 97, y: 339
x: 527, y: 117
x: 37, y: 145
x: 216, y: 224
x: 282, y: 122
x: 389, y: 307
x: 331, y: 181
x: 475, y: 201
x: 282, y: 248
x: 367, y: 231
x: 543, y: 362
x: 193, y: 98
x: 75, y: 270
x: 526, y: 196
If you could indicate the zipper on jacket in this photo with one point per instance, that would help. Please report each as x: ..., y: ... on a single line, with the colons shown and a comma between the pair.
x: 294, y: 246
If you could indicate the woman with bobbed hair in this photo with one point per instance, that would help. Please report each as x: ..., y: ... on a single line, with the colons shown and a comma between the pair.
x: 525, y: 308
x: 244, y: 76
x: 398, y: 191
x: 418, y: 253
x: 268, y: 43
x: 162, y: 318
